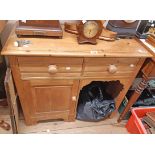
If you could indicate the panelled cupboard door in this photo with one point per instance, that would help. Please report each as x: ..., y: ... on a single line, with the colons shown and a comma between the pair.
x: 48, y: 99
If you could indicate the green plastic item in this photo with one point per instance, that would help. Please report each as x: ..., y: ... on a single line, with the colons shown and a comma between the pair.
x: 122, y: 106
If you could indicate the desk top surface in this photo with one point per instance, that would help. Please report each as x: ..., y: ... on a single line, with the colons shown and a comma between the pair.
x: 68, y: 46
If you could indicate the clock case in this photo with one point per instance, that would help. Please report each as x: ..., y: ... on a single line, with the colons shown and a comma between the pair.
x: 82, y: 38
x: 123, y: 29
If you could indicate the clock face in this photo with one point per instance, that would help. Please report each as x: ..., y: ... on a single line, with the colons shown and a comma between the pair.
x: 90, y: 29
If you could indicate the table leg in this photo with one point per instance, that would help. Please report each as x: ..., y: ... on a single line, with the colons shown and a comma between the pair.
x: 142, y: 85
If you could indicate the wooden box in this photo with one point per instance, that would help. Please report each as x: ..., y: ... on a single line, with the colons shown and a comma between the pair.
x: 50, y: 28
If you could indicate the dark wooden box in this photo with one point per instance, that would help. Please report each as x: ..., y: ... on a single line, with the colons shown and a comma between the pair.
x: 50, y: 28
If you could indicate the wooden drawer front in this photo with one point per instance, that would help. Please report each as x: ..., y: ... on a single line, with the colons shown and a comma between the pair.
x: 100, y: 66
x: 42, y: 66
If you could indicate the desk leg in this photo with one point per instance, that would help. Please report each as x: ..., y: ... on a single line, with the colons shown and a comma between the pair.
x: 142, y: 85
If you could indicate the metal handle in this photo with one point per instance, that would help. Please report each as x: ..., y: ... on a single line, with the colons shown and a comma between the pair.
x: 52, y: 69
x: 112, y: 69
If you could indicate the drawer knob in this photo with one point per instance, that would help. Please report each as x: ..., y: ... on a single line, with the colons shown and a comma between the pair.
x: 132, y: 65
x: 73, y: 98
x: 112, y: 69
x: 52, y: 69
x: 68, y: 68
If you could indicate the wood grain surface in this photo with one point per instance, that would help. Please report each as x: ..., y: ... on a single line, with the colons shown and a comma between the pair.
x: 48, y: 95
x: 68, y: 46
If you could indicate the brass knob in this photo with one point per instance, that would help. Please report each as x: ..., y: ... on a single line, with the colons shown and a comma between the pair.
x: 112, y: 69
x: 52, y: 69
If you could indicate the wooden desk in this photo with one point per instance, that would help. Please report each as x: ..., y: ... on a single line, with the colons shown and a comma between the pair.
x: 148, y: 72
x: 49, y: 73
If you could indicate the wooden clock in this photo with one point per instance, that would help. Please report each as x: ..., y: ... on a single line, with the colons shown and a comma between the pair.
x: 89, y: 31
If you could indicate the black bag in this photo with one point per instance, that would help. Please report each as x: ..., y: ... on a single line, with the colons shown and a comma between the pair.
x: 94, y: 103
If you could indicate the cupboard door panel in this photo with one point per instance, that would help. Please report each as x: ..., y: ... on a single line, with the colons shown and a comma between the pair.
x: 51, y: 99
x: 42, y: 99
x: 61, y: 98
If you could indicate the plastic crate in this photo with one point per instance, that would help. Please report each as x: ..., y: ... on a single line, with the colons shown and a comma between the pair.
x: 134, y: 124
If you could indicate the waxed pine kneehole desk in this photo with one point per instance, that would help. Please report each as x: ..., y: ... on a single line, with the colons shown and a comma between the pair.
x: 49, y: 73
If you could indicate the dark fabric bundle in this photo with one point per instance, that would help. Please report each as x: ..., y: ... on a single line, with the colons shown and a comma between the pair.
x: 94, y: 102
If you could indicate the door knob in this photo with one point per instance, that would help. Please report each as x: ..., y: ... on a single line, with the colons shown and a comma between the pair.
x: 73, y: 98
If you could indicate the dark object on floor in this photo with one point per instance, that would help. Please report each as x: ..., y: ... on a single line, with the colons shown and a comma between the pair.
x: 5, y: 125
x: 123, y: 29
x: 95, y: 103
x: 50, y: 28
